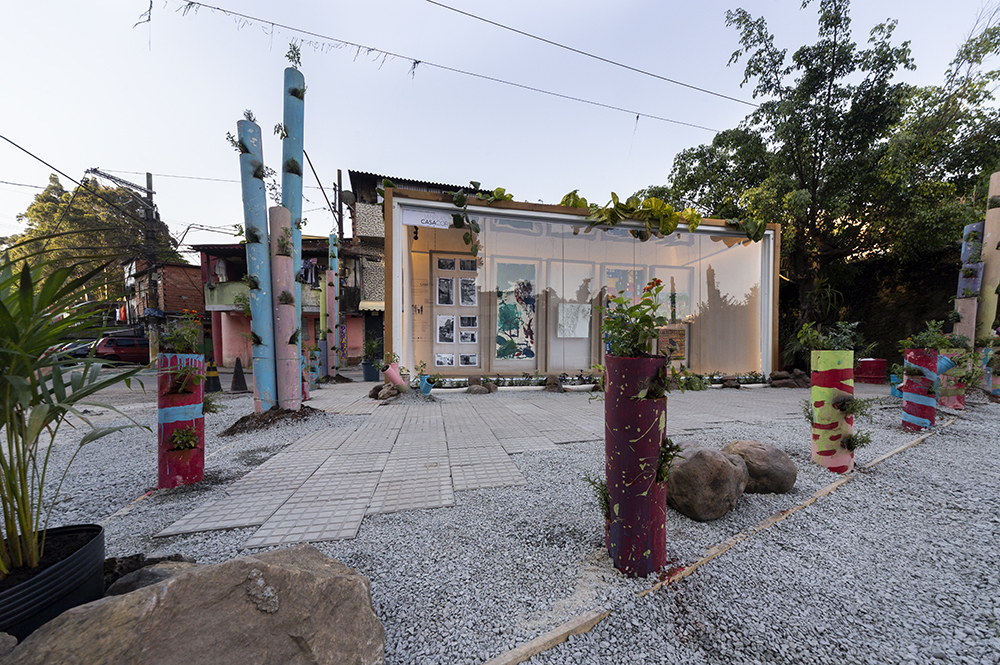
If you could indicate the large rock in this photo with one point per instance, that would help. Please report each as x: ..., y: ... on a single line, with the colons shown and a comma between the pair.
x: 770, y: 469
x: 146, y: 576
x: 478, y: 389
x: 802, y: 379
x: 117, y: 567
x: 7, y: 644
x: 706, y: 484
x: 286, y: 606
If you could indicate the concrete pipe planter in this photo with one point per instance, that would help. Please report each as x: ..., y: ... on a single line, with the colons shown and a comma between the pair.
x: 983, y: 357
x: 950, y: 390
x: 179, y: 407
x: 832, y: 378
x: 919, y: 392
x: 634, y: 431
x: 391, y: 372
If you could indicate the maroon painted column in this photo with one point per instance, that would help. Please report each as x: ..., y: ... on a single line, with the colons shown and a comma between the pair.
x: 634, y: 430
x: 217, y: 339
x: 180, y: 421
x: 919, y: 398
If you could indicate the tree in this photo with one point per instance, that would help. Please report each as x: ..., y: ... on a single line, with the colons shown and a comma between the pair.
x: 711, y: 177
x: 89, y: 226
x: 848, y: 161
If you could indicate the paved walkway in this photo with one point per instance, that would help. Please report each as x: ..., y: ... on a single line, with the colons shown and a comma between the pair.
x: 417, y: 455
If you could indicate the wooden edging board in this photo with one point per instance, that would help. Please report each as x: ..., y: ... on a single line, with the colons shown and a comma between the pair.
x: 584, y: 622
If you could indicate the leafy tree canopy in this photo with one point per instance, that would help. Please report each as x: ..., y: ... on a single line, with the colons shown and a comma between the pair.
x: 84, y: 229
x: 848, y: 160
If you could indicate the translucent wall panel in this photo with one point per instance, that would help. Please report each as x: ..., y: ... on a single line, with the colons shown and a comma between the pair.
x: 538, y: 282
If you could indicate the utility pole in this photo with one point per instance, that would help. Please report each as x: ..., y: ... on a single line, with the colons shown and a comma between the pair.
x: 152, y: 326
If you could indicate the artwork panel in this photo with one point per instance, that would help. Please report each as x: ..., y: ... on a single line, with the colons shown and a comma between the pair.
x: 468, y: 337
x: 468, y: 359
x: 446, y: 291
x: 445, y: 329
x: 446, y: 264
x: 467, y: 292
x: 574, y: 320
x: 468, y: 321
x: 444, y: 359
x: 516, y: 309
x: 468, y: 264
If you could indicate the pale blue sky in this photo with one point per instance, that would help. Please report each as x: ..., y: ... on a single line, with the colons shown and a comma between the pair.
x: 82, y: 88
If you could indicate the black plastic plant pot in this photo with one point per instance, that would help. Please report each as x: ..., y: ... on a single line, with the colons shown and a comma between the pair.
x: 369, y: 371
x: 77, y: 579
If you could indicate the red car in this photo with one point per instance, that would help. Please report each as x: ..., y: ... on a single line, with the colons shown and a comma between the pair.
x: 125, y: 349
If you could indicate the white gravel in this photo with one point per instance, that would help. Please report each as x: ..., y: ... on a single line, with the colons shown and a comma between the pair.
x: 900, y: 565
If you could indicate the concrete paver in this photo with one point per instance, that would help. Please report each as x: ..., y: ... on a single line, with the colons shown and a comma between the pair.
x: 414, y: 456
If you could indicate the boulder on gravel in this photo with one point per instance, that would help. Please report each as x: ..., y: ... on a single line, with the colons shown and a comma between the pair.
x: 375, y: 390
x: 492, y: 387
x: 802, y: 379
x: 388, y: 391
x: 706, y: 484
x: 146, y: 576
x: 770, y: 469
x: 478, y: 390
x: 730, y: 381
x: 553, y: 384
x: 117, y: 567
x: 784, y: 383
x: 7, y: 644
x: 286, y: 606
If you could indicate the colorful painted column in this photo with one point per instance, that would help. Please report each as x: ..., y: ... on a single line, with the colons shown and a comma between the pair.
x: 984, y: 356
x: 321, y: 341
x: 286, y: 332
x: 987, y: 317
x: 333, y: 303
x: 294, y: 95
x: 634, y: 431
x: 180, y: 432
x: 832, y: 378
x: 258, y: 264
x: 950, y: 391
x: 919, y: 401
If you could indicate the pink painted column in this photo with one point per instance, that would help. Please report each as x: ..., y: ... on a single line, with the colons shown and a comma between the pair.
x: 332, y: 328
x: 179, y: 408
x: 286, y: 354
x: 217, y: 338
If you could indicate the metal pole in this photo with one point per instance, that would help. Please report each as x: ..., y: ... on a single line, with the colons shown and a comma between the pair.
x: 258, y: 264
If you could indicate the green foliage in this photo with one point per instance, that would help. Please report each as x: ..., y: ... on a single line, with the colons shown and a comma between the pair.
x: 461, y: 220
x: 932, y: 337
x: 658, y: 217
x: 294, y: 56
x: 39, y: 308
x: 251, y: 281
x: 842, y: 336
x: 238, y: 145
x: 253, y: 235
x: 281, y: 131
x: 292, y: 166
x: 284, y: 242
x: 574, y: 200
x: 212, y: 404
x: 286, y: 298
x: 185, y: 438
x: 631, y: 329
x: 184, y: 378
x: 852, y: 406
x: 371, y: 348
x: 242, y: 300
x: 856, y: 440
x: 294, y: 337
x: 181, y: 335
x: 599, y: 486
x: 669, y: 452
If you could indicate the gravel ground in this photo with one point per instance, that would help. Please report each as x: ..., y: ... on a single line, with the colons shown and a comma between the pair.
x: 902, y: 564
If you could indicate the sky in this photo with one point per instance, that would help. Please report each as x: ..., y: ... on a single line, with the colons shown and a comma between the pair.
x: 83, y: 86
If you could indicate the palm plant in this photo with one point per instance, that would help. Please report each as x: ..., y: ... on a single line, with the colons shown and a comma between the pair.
x: 37, y: 393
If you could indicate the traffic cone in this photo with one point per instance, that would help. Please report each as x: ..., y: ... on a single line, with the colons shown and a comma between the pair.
x: 212, y: 382
x: 239, y: 382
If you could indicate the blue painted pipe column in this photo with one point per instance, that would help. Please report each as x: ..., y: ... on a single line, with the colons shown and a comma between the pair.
x: 258, y: 264
x: 333, y: 303
x: 291, y: 176
x: 321, y: 341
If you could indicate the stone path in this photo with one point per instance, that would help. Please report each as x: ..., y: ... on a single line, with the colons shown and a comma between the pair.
x: 417, y: 455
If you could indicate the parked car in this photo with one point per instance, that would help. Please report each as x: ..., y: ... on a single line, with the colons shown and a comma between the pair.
x: 125, y: 349
x: 78, y: 349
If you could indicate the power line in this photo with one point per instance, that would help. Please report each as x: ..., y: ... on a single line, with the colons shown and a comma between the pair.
x: 19, y: 184
x: 595, y: 57
x: 191, y: 177
x: 188, y: 6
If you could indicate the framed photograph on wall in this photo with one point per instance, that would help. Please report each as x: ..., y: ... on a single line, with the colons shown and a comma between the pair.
x: 468, y: 359
x: 468, y: 321
x: 467, y: 292
x: 445, y: 290
x: 468, y: 337
x: 444, y: 359
x: 446, y: 264
x: 468, y: 264
x: 445, y: 329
